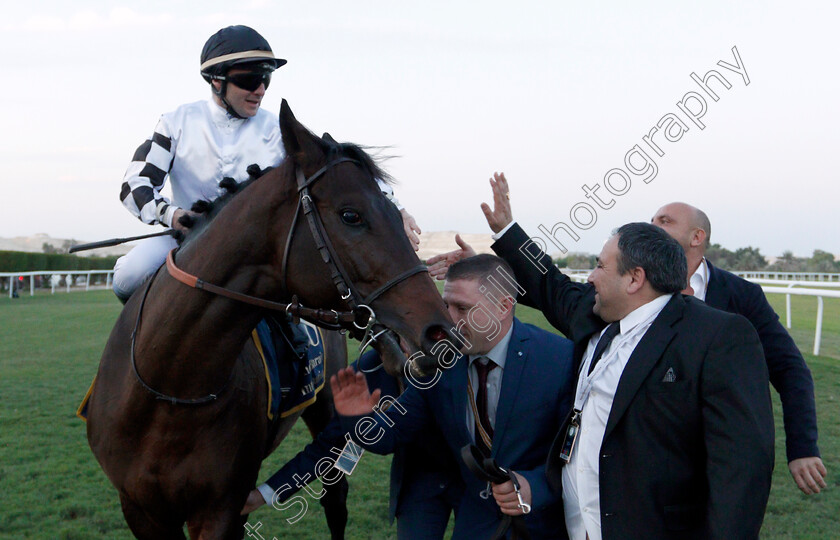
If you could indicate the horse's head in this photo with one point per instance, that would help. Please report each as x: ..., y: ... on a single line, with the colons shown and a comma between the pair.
x: 365, y: 259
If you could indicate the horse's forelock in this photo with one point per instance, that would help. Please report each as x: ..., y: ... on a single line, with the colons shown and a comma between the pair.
x: 359, y: 153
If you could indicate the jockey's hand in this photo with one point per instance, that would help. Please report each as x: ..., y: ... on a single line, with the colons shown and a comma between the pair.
x: 439, y: 264
x: 809, y: 474
x: 176, y: 219
x: 501, y: 215
x: 412, y: 230
x: 506, y: 498
x: 351, y: 395
x: 255, y: 500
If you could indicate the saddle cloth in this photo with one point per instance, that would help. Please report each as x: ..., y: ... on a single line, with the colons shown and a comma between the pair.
x: 293, y: 378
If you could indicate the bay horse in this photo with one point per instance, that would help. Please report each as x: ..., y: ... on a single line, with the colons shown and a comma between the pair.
x: 177, y: 415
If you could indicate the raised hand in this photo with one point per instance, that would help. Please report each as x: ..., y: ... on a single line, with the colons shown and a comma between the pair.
x: 439, y: 264
x: 351, y: 395
x: 501, y: 215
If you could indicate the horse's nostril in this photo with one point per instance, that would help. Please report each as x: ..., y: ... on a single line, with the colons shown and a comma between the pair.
x: 436, y: 333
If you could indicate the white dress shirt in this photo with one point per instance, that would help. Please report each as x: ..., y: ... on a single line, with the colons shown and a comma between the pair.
x: 699, y: 281
x: 497, y: 354
x: 581, y: 495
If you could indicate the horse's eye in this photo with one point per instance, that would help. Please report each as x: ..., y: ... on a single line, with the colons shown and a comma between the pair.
x: 351, y: 217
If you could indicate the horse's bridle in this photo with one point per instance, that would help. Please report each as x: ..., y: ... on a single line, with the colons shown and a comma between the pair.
x: 358, y: 305
x: 360, y: 310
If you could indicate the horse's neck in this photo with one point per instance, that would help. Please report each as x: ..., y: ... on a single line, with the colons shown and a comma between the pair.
x: 191, y: 335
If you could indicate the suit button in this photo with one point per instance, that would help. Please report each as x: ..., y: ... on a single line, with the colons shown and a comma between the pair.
x: 606, y: 455
x: 442, y: 486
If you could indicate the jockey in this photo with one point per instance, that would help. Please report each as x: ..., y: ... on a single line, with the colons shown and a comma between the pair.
x: 198, y: 144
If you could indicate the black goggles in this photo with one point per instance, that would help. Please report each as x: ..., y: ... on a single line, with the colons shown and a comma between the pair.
x: 250, y: 81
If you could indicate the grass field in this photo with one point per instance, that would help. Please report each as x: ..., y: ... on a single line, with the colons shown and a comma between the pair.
x: 51, y: 486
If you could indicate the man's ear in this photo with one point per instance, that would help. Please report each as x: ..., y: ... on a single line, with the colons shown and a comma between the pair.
x: 637, y: 280
x: 506, y: 304
x: 698, y: 237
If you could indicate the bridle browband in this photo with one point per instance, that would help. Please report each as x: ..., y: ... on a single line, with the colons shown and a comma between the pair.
x: 360, y: 317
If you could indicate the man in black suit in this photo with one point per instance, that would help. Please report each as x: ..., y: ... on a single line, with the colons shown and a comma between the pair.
x: 673, y: 427
x: 789, y: 374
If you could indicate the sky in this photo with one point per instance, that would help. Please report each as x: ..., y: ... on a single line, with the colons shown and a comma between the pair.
x: 555, y: 94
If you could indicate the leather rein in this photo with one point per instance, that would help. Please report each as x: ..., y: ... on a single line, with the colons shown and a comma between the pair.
x: 360, y: 317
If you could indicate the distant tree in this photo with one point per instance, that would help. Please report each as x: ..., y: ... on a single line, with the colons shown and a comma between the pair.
x: 789, y: 263
x: 721, y: 257
x: 749, y: 258
x: 577, y: 261
x: 67, y: 244
x: 822, y: 261
x: 49, y: 248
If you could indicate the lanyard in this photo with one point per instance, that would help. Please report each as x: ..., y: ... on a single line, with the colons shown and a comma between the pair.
x: 586, y: 381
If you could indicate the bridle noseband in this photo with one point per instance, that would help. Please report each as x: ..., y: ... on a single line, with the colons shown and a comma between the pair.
x: 360, y: 317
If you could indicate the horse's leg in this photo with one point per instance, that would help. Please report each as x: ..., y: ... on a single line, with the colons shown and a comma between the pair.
x: 334, y: 500
x: 144, y: 527
x: 221, y: 525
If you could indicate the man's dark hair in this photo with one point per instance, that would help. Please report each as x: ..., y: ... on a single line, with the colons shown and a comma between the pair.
x: 660, y: 256
x: 480, y: 267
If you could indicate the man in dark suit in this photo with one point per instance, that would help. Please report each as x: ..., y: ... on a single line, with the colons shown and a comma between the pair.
x: 426, y: 485
x: 509, y: 391
x: 789, y: 374
x: 672, y: 423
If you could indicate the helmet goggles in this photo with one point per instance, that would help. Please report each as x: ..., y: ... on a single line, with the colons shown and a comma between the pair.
x: 249, y: 81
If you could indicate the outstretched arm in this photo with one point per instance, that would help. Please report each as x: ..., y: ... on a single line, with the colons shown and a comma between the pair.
x: 439, y: 264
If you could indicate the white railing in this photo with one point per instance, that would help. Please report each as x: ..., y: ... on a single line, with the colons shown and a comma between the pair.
x: 55, y: 277
x: 789, y: 276
x: 819, y: 293
x: 787, y: 290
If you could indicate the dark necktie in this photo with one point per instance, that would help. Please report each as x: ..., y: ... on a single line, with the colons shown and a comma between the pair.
x: 604, y: 342
x: 481, y: 403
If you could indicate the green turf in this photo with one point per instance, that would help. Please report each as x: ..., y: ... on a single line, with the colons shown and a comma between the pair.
x: 51, y: 487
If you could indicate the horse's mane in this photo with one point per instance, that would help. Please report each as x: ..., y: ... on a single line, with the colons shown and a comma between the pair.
x: 208, y: 210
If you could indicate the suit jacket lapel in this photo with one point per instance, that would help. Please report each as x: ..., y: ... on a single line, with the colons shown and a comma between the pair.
x: 458, y: 400
x: 717, y: 293
x: 646, y: 354
x: 517, y: 355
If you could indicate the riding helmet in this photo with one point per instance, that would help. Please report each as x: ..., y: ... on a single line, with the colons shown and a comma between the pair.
x: 236, y: 45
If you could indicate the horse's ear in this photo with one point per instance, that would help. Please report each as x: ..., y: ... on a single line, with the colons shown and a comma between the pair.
x: 301, y: 145
x: 327, y: 138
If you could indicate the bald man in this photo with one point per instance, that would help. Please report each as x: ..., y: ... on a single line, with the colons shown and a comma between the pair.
x: 788, y: 373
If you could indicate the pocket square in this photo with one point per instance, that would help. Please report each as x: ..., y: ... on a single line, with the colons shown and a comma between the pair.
x: 669, y: 375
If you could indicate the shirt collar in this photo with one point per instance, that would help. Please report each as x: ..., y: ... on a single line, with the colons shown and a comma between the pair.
x: 498, y: 354
x: 219, y: 113
x: 643, y: 313
x: 700, y: 279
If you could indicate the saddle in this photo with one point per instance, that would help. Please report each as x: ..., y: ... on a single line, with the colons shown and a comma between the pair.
x: 293, y: 357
